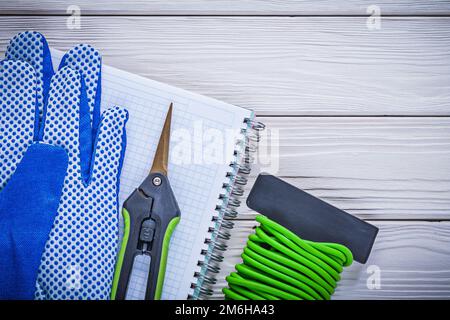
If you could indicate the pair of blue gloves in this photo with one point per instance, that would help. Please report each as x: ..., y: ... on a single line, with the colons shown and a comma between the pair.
x: 60, y: 163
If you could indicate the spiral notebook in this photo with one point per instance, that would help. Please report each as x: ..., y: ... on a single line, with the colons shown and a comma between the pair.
x: 209, y: 158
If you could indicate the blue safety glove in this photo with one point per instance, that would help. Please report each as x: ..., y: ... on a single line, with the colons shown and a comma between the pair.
x: 30, y: 199
x: 79, y: 255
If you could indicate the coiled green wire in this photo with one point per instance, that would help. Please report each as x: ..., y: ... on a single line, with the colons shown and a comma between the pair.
x: 278, y: 264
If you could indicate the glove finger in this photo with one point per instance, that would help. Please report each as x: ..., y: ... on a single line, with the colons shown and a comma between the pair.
x: 110, y: 148
x: 31, y: 47
x: 78, y: 262
x: 18, y: 114
x: 67, y: 119
x: 87, y: 61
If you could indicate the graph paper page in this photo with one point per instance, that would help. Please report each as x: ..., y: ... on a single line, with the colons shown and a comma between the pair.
x: 197, y: 185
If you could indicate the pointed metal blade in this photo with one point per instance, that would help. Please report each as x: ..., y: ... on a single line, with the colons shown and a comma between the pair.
x: 160, y: 163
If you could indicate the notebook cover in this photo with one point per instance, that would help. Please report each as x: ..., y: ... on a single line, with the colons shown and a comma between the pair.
x: 309, y: 217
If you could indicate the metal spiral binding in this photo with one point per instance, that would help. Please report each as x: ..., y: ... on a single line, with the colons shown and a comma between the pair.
x: 233, y: 190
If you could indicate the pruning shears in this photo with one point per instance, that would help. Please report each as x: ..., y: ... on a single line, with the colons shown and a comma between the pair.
x: 150, y: 215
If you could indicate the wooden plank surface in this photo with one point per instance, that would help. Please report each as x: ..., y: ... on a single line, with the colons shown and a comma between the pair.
x: 276, y: 65
x: 413, y: 259
x: 376, y: 168
x: 279, y: 64
x: 224, y: 7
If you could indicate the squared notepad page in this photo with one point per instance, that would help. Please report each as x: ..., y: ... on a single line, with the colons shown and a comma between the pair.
x: 196, y: 185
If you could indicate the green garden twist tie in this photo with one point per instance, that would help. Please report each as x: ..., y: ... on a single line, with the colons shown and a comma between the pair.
x: 279, y: 265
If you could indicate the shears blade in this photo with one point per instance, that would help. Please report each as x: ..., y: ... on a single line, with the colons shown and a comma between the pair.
x: 161, y: 160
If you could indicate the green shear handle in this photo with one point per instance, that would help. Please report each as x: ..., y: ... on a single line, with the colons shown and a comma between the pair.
x: 150, y: 215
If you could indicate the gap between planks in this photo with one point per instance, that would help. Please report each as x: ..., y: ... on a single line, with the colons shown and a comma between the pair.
x: 224, y: 7
x: 309, y: 162
x: 375, y: 168
x: 276, y: 66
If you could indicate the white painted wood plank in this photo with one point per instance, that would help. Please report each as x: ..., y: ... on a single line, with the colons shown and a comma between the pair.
x: 375, y: 168
x: 276, y: 66
x: 225, y: 7
x: 413, y: 258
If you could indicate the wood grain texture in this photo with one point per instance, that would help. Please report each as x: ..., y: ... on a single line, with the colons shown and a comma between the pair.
x: 376, y: 168
x: 413, y: 259
x: 224, y: 7
x: 373, y: 167
x: 276, y: 65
